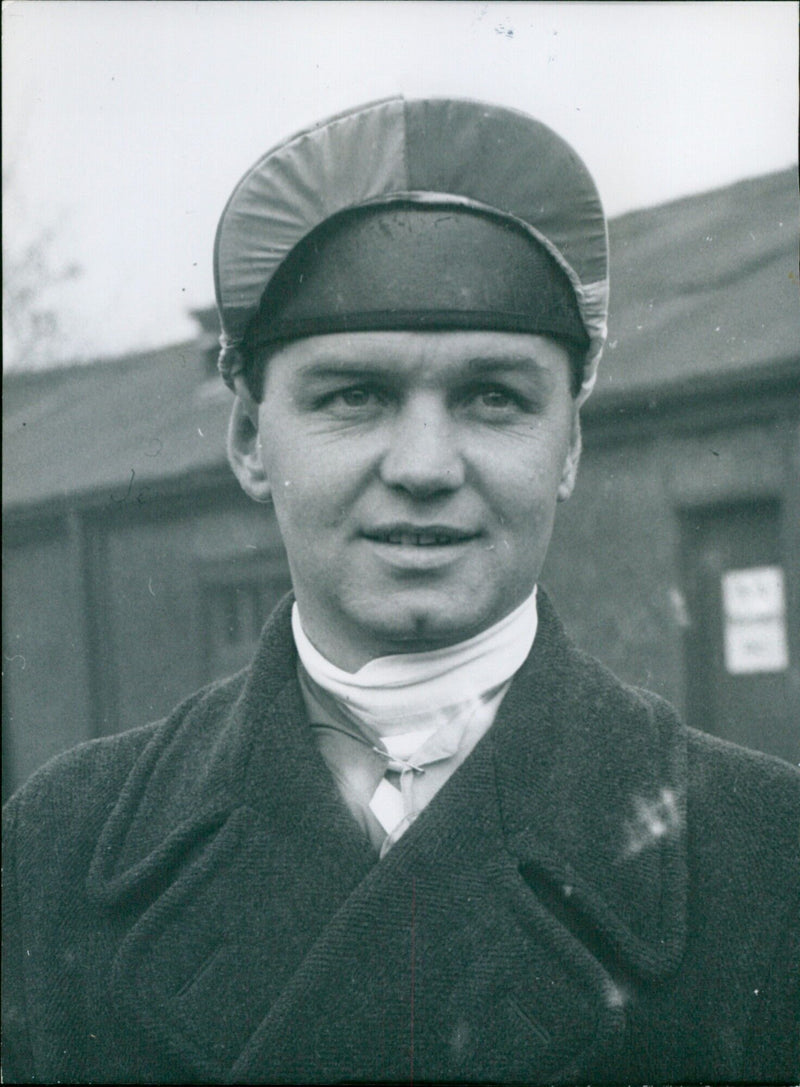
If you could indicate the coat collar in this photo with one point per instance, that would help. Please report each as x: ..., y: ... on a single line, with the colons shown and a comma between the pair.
x: 578, y: 786
x: 591, y: 777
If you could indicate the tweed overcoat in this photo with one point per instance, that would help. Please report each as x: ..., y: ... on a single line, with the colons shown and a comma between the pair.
x: 597, y: 894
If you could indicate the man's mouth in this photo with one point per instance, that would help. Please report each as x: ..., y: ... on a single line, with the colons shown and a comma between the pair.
x: 419, y: 536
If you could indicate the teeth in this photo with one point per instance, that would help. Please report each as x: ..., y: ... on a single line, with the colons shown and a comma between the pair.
x: 418, y: 539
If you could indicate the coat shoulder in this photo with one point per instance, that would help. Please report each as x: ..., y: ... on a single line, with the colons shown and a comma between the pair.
x: 54, y: 830
x: 745, y: 801
x: 71, y: 796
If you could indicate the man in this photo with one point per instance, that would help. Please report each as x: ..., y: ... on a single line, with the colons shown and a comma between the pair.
x: 422, y: 836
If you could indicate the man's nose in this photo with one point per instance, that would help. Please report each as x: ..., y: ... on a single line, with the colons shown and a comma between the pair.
x: 423, y: 457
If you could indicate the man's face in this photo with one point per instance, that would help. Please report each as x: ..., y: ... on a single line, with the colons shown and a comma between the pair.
x: 415, y: 477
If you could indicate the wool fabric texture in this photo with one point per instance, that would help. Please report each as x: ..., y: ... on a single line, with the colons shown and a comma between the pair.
x: 598, y: 894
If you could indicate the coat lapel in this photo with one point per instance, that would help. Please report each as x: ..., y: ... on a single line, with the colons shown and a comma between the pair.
x: 265, y: 942
x: 441, y: 965
x: 227, y: 853
x: 592, y: 778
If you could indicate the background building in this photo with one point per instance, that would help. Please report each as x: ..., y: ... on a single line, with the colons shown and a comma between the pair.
x: 135, y: 570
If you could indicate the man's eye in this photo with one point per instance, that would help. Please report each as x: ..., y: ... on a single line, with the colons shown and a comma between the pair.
x: 355, y: 398
x: 495, y: 398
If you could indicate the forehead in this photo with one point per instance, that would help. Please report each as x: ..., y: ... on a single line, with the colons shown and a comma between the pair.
x: 418, y: 354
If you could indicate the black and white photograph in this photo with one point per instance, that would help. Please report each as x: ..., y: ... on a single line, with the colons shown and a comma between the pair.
x: 401, y: 542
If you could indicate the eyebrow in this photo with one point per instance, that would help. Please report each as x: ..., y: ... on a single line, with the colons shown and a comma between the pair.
x: 508, y: 362
x: 334, y: 368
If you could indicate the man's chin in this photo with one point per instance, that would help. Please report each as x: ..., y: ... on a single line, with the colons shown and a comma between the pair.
x: 419, y: 627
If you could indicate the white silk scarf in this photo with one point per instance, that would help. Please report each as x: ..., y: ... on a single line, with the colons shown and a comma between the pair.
x: 409, y: 691
x: 417, y: 715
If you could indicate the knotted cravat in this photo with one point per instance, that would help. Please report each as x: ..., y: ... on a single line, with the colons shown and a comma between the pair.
x: 394, y: 731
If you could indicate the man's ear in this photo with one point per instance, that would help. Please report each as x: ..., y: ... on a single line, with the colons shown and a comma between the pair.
x: 570, y: 471
x: 244, y: 446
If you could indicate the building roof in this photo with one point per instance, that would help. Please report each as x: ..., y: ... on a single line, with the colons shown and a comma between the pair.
x: 703, y: 288
x: 123, y: 425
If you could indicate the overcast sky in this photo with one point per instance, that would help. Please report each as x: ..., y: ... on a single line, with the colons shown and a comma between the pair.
x: 126, y: 124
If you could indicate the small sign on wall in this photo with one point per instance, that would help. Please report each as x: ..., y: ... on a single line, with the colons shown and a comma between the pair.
x: 754, y: 613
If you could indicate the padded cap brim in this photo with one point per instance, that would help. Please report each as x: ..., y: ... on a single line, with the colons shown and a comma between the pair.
x: 428, y: 150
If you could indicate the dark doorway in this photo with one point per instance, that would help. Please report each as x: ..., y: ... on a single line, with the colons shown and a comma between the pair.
x: 737, y: 654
